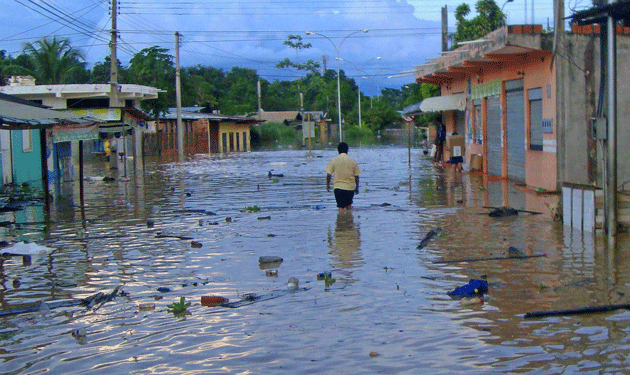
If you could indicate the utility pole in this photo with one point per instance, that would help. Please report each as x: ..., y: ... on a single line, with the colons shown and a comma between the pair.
x: 178, y: 94
x: 444, y: 29
x: 113, y: 68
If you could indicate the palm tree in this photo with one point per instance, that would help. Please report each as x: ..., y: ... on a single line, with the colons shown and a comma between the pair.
x: 55, y: 61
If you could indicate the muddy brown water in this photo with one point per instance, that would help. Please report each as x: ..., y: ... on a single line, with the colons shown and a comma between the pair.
x: 386, y: 312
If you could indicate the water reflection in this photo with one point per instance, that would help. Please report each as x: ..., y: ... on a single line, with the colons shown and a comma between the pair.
x: 345, y: 242
x: 396, y: 305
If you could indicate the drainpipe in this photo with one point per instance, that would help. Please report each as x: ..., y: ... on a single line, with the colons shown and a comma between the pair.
x: 611, y: 168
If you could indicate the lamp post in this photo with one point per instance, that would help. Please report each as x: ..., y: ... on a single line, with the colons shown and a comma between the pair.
x: 358, y: 80
x: 337, y: 47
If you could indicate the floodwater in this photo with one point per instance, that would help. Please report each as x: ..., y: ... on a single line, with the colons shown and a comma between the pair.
x: 386, y: 312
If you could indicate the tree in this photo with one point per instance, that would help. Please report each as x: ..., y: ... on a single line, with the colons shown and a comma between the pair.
x: 154, y: 67
x: 489, y: 17
x: 241, y: 96
x: 295, y: 42
x: 101, y: 72
x: 380, y: 116
x: 55, y: 61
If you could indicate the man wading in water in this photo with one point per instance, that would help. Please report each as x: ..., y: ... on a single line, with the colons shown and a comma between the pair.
x: 346, y: 181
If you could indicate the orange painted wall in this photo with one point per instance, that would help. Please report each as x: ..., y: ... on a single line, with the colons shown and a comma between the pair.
x: 536, y: 72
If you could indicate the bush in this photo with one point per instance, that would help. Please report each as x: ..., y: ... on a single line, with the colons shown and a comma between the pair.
x: 273, y: 134
x: 359, y: 136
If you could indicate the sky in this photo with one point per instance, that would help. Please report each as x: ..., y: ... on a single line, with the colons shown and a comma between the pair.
x: 223, y: 34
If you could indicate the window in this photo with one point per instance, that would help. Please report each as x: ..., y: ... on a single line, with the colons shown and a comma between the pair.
x: 27, y: 141
x: 535, y: 119
x: 238, y: 141
x: 244, y: 141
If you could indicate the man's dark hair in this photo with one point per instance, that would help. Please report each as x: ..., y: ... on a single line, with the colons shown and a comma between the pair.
x: 342, y: 148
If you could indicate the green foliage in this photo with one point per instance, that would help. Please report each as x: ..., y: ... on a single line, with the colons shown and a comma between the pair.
x: 489, y: 17
x: 274, y: 134
x: 363, y: 136
x: 380, y: 116
x: 241, y: 95
x: 154, y: 67
x: 54, y: 61
x: 252, y: 209
x: 295, y: 42
x: 179, y: 307
x: 101, y: 72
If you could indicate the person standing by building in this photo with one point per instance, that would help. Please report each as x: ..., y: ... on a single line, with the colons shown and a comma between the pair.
x: 439, y: 140
x: 346, y: 177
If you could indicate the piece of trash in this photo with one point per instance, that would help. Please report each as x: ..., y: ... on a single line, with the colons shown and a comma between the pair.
x: 196, y: 244
x: 79, y: 333
x: 474, y: 288
x: 324, y: 275
x: 270, y: 175
x: 432, y: 234
x: 269, y: 259
x: 374, y: 354
x: 264, y: 218
x: 211, y: 301
x: 150, y: 223
x: 317, y: 207
x: 228, y: 219
x: 146, y: 306
x: 503, y: 212
x: 576, y: 311
x: 271, y: 273
x: 26, y: 248
x: 514, y: 252
x: 109, y: 179
x: 490, y: 258
x: 271, y: 235
x: 250, y: 296
x: 163, y: 289
x: 467, y: 301
x: 293, y: 283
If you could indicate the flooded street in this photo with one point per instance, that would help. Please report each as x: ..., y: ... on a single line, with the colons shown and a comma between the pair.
x: 386, y: 311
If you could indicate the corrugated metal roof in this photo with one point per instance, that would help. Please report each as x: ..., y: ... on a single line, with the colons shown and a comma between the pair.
x: 15, y: 114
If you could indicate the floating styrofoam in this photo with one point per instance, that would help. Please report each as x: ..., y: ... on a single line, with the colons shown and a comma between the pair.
x: 24, y: 248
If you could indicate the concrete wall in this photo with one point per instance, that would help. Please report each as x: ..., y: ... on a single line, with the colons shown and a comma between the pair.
x: 578, y: 77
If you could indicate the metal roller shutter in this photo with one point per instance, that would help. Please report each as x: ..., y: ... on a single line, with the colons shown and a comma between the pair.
x: 515, y: 129
x: 495, y: 138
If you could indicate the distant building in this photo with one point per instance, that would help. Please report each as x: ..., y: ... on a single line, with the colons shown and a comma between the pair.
x: 27, y: 135
x: 204, y: 132
x: 119, y: 111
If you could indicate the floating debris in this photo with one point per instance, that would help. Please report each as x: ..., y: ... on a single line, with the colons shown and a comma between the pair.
x: 293, y: 283
x: 432, y: 234
x: 146, y: 306
x: 271, y: 273
x: 196, y: 244
x: 576, y: 311
x: 211, y: 301
x: 474, y: 288
x: 490, y: 258
x: 269, y: 259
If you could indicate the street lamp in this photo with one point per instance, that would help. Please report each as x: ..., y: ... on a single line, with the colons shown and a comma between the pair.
x: 337, y: 47
x: 358, y: 80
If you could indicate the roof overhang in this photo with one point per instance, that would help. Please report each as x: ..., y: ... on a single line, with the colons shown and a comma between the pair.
x: 16, y: 116
x: 619, y: 10
x: 489, y: 53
